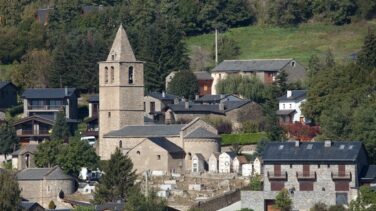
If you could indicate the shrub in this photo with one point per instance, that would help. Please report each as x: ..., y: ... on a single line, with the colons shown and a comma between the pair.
x: 51, y: 205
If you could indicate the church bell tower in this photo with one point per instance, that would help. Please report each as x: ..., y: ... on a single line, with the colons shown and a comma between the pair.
x: 121, y: 89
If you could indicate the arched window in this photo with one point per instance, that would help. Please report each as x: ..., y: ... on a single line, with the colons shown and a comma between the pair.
x: 189, y: 156
x: 112, y: 75
x: 138, y: 153
x: 120, y: 144
x: 106, y: 75
x: 130, y: 75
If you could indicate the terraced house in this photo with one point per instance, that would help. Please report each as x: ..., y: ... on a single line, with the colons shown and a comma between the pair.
x: 312, y: 172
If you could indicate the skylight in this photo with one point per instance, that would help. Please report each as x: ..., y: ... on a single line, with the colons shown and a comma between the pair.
x: 280, y: 147
x: 342, y: 146
x: 309, y: 146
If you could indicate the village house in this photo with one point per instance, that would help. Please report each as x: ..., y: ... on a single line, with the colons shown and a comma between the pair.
x: 216, y: 99
x: 155, y: 103
x: 92, y: 124
x: 24, y: 157
x: 8, y: 97
x: 264, y: 69
x: 204, y: 79
x: 40, y: 108
x: 312, y: 172
x: 44, y: 184
x: 289, y: 107
x: 225, y: 163
x: 236, y: 112
x: 164, y: 148
x: 42, y: 15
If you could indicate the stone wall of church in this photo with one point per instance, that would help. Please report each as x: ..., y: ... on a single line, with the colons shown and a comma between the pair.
x: 204, y: 146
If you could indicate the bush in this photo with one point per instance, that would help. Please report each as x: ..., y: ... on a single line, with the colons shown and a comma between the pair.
x: 15, y: 110
x: 222, y: 125
x: 242, y: 138
x: 51, y: 205
x: 255, y: 183
x: 250, y: 127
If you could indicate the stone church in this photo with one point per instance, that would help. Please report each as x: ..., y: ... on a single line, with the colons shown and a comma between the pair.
x: 167, y: 148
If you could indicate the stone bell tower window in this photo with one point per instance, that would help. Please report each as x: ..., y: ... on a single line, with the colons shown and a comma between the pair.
x: 106, y: 75
x: 130, y: 75
x: 112, y: 75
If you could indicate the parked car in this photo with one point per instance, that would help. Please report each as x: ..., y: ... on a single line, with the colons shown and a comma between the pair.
x: 90, y: 139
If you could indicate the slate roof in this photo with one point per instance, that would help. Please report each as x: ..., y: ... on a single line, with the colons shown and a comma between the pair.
x: 295, y: 94
x: 200, y: 156
x: 201, y: 133
x: 216, y: 98
x: 5, y: 83
x: 47, y: 93
x: 159, y: 96
x: 147, y: 131
x: 231, y: 154
x: 316, y: 152
x: 254, y: 65
x: 207, y: 108
x: 32, y: 148
x: 27, y: 205
x: 54, y: 173
x: 45, y: 119
x: 369, y: 173
x: 166, y: 144
x: 94, y: 99
x: 203, y: 75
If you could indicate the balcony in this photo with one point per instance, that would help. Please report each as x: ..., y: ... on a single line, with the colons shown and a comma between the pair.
x: 34, y: 133
x: 341, y: 175
x: 277, y: 175
x: 306, y: 176
x: 44, y: 107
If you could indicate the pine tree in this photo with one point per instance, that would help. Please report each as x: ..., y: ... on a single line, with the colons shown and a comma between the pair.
x: 117, y: 180
x: 60, y: 130
x: 10, y: 193
x: 8, y: 139
x: 367, y: 56
x: 283, y: 200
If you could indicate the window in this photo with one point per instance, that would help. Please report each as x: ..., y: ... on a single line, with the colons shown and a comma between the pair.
x: 109, y: 114
x: 277, y: 169
x: 113, y: 57
x: 220, y: 76
x: 342, y: 186
x: 328, y: 165
x: 138, y: 153
x: 283, y: 106
x: 112, y: 75
x: 106, y: 75
x: 290, y: 105
x: 341, y: 170
x: 293, y: 64
x: 277, y: 185
x: 205, y: 87
x: 305, y: 185
x: 189, y: 156
x: 318, y: 166
x: 144, y: 106
x: 306, y: 170
x: 120, y: 144
x: 341, y: 198
x: 152, y: 107
x: 290, y: 166
x: 130, y: 75
x: 158, y: 157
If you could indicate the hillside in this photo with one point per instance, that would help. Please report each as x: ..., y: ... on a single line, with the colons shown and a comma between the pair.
x: 257, y: 42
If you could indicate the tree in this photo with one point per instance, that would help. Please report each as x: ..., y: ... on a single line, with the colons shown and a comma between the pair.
x: 10, y: 193
x: 75, y: 155
x: 60, y: 130
x: 366, y: 201
x: 236, y: 148
x: 47, y: 154
x: 367, y: 55
x: 51, y: 205
x: 117, y: 180
x: 8, y: 139
x: 255, y: 183
x: 283, y: 200
x: 288, y: 12
x: 139, y: 202
x: 319, y: 207
x: 227, y: 49
x: 184, y: 84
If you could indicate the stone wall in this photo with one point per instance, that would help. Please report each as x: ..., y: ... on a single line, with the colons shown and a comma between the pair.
x: 219, y: 202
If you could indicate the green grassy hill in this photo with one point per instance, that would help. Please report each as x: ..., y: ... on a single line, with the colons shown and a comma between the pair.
x: 257, y: 42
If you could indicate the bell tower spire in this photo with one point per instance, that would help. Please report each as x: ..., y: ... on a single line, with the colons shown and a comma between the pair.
x: 121, y: 50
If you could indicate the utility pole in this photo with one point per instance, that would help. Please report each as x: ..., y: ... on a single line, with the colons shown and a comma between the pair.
x: 146, y: 184
x: 216, y: 46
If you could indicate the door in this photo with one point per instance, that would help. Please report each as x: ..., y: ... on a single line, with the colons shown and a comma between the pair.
x: 269, y: 205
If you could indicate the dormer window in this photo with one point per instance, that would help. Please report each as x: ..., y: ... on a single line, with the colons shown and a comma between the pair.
x: 130, y: 75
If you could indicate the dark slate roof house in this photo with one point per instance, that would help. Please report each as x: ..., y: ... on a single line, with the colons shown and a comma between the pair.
x: 294, y: 95
x: 147, y: 131
x: 8, y: 94
x: 55, y: 173
x: 215, y: 99
x: 187, y: 107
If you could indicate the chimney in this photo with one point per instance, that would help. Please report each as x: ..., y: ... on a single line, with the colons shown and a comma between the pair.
x: 66, y: 91
x: 186, y: 104
x: 328, y: 143
x: 289, y: 93
x: 221, y: 106
x: 163, y: 94
x: 196, y: 97
x: 297, y: 143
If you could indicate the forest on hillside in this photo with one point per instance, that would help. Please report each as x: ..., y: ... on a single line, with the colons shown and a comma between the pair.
x: 64, y: 50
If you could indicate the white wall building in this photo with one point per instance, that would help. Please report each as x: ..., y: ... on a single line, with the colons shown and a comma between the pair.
x: 237, y: 164
x: 198, y: 163
x: 290, y: 106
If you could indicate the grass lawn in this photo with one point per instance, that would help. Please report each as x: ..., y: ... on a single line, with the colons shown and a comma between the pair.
x: 257, y: 42
x: 243, y: 138
x: 5, y: 72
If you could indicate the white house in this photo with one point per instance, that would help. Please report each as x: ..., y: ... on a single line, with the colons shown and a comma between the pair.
x: 213, y: 162
x: 257, y: 166
x: 289, y: 106
x: 198, y: 163
x: 237, y: 164
x: 225, y: 162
